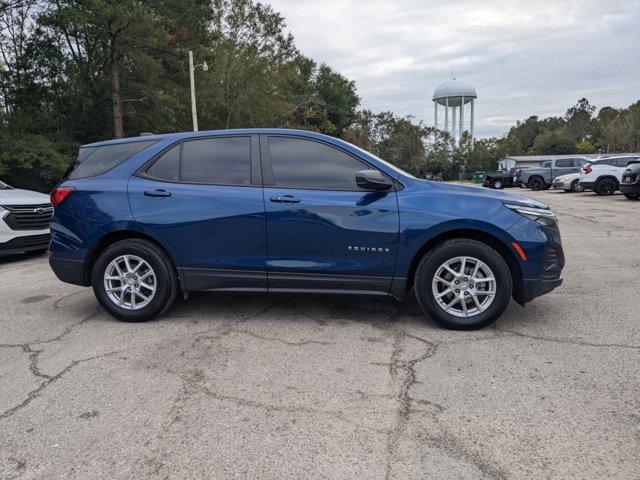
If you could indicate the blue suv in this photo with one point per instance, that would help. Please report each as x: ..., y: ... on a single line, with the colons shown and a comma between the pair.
x: 143, y: 219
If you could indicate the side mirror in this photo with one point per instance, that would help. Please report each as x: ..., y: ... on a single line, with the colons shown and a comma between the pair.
x: 372, y: 180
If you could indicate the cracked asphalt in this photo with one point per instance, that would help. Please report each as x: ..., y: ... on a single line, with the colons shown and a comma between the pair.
x: 298, y: 386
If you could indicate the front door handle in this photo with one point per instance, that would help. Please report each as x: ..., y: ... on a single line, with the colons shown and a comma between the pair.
x: 285, y: 199
x: 157, y: 193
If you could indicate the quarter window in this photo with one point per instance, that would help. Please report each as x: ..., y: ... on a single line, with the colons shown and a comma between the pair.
x: 167, y: 167
x: 299, y: 163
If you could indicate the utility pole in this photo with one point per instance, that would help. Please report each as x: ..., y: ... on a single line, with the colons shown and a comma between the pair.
x: 194, y: 113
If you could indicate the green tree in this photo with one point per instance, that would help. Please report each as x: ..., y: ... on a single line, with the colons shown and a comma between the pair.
x: 555, y: 142
x: 579, y: 122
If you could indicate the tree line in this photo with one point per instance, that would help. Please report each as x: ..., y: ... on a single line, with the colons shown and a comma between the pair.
x: 77, y: 71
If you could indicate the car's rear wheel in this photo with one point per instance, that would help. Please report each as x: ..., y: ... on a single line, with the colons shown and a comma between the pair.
x: 536, y: 183
x: 497, y: 184
x: 134, y: 280
x: 463, y: 284
x: 606, y: 186
x: 632, y: 196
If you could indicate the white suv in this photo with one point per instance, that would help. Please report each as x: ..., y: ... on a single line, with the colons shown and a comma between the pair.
x: 24, y: 220
x: 604, y: 175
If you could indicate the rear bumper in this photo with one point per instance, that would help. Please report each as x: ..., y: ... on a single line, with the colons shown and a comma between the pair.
x: 536, y: 288
x: 587, y: 185
x: 69, y: 271
x: 632, y: 188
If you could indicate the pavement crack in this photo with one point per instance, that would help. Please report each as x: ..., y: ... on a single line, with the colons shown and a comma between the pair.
x: 33, y: 394
x: 406, y: 369
x: 565, y: 341
x: 280, y: 340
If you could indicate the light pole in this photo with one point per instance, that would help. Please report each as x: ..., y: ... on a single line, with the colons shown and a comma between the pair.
x: 192, y: 68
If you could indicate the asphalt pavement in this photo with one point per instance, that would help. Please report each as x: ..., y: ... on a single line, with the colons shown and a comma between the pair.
x: 337, y: 387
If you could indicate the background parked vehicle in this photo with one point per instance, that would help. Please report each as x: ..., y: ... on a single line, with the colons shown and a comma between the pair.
x: 501, y: 179
x: 570, y: 183
x: 24, y: 220
x: 603, y: 176
x: 630, y: 185
x: 542, y: 177
x: 289, y: 210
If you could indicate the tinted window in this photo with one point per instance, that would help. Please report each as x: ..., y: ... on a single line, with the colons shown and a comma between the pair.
x: 308, y: 164
x: 622, y: 162
x: 603, y: 162
x: 167, y: 167
x: 97, y: 160
x: 565, y: 162
x: 224, y: 161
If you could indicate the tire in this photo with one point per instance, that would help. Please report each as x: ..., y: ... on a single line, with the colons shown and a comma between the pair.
x: 575, y: 186
x: 632, y: 196
x: 432, y: 263
x: 497, y: 185
x: 163, y: 280
x: 606, y: 187
x: 536, y: 184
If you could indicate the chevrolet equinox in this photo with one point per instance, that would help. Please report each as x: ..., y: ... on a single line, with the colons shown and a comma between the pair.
x: 144, y: 219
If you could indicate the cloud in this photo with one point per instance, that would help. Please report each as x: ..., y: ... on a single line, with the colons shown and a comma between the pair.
x: 524, y: 57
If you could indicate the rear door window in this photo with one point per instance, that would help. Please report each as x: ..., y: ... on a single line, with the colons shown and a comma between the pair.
x: 622, y: 162
x: 565, y: 162
x: 217, y: 161
x: 93, y: 161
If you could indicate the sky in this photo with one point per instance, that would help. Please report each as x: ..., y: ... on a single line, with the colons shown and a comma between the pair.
x: 523, y: 57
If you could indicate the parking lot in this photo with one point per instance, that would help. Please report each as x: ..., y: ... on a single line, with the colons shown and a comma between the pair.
x: 297, y: 386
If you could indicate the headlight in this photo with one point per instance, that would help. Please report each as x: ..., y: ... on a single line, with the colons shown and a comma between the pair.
x: 542, y: 216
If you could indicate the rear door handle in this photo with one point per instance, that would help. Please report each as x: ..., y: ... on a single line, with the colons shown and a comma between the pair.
x: 285, y: 199
x: 157, y: 193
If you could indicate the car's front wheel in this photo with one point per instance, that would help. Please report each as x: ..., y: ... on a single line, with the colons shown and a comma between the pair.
x: 497, y: 184
x: 576, y: 187
x: 134, y: 280
x: 463, y: 284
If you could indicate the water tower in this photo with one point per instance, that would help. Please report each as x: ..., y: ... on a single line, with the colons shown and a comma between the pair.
x: 455, y: 96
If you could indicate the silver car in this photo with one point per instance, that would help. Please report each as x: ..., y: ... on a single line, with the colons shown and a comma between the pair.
x: 569, y: 183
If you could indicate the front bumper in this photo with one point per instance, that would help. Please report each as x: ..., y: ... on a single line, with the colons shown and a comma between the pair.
x: 536, y: 288
x: 25, y: 243
x: 558, y: 185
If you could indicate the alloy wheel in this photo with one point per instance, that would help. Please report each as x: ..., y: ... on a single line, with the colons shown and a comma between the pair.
x: 130, y: 282
x: 464, y: 286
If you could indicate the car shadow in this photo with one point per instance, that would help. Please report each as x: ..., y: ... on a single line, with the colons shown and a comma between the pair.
x: 19, y: 257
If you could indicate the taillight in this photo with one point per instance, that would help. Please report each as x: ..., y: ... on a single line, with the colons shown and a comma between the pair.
x: 587, y: 170
x: 60, y: 194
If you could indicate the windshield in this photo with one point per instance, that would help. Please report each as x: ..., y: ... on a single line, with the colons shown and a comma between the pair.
x: 391, y: 166
x: 4, y: 186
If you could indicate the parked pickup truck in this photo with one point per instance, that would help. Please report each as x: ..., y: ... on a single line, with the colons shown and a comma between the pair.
x: 501, y: 179
x: 541, y: 178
